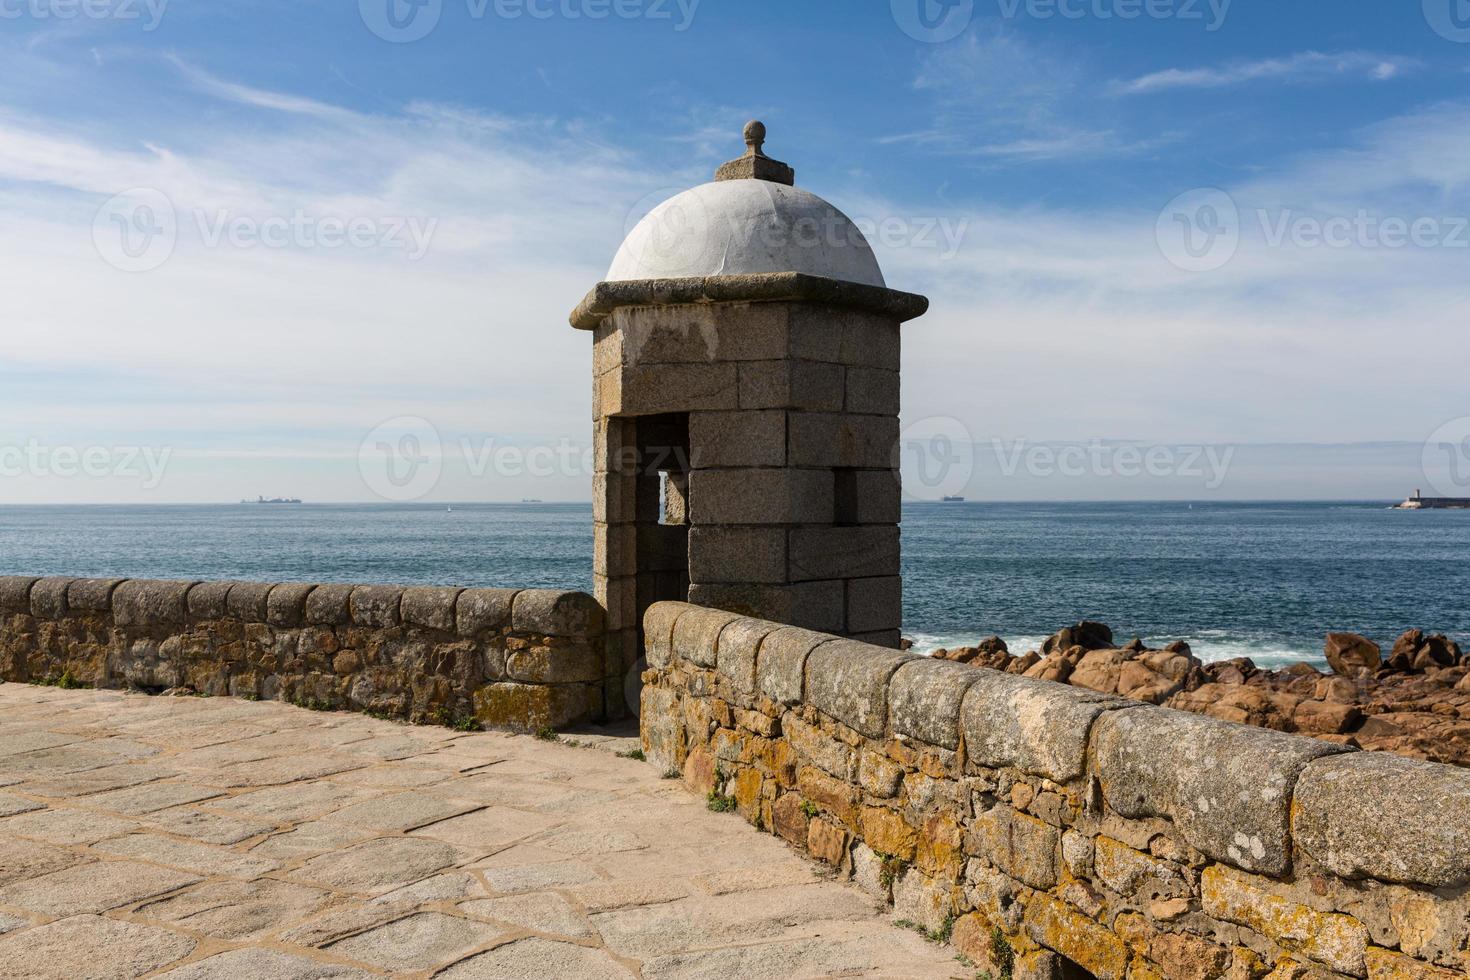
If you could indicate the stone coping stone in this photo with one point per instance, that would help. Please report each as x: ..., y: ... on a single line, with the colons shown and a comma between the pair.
x: 479, y: 610
x: 780, y: 667
x: 249, y: 601
x: 140, y: 602
x: 429, y: 607
x: 286, y: 605
x: 739, y: 650
x: 15, y: 593
x: 375, y: 605
x: 551, y: 613
x: 773, y: 287
x: 48, y: 597
x: 1228, y: 788
x: 658, y: 631
x: 696, y: 635
x: 210, y: 600
x: 848, y: 680
x: 1375, y: 815
x: 92, y: 594
x: 1036, y: 726
x: 925, y: 698
x: 329, y: 605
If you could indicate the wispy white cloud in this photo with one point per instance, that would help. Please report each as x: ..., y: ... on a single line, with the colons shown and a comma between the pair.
x: 1308, y: 65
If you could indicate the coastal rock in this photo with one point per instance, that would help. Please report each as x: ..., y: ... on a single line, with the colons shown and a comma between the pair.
x: 990, y: 652
x: 1351, y: 655
x: 1086, y: 634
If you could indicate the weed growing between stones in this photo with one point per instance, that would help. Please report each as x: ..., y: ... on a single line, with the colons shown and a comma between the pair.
x: 547, y: 734
x: 938, y: 936
x: 635, y: 754
x: 719, y: 803
x: 312, y: 704
x: 892, y: 868
x: 250, y: 696
x: 65, y: 680
x: 458, y: 722
x: 809, y: 808
x: 1001, y: 954
x: 671, y: 773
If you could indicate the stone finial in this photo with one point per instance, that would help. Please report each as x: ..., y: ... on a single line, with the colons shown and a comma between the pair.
x: 755, y: 165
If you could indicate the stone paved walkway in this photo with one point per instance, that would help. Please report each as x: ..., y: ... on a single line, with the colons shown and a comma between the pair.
x: 192, y: 838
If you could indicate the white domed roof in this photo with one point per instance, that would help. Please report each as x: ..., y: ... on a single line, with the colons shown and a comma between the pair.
x: 741, y: 227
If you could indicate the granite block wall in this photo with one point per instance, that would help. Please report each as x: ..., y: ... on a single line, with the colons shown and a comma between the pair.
x: 523, y: 659
x: 1052, y: 832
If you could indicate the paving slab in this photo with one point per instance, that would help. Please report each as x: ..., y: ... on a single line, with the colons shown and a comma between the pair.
x: 147, y: 836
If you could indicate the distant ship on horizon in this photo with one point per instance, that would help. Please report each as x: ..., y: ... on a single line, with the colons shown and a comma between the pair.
x: 273, y: 500
x: 953, y: 500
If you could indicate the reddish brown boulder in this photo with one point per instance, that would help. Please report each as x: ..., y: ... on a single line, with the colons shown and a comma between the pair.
x: 1326, y: 717
x: 1087, y: 635
x: 1351, y: 655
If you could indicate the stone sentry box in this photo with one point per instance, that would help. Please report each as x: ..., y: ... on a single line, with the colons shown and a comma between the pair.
x: 746, y: 400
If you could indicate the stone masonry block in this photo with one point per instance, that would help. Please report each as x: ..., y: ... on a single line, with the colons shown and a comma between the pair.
x: 1338, y: 940
x: 698, y: 333
x: 479, y: 610
x: 619, y: 600
x: 809, y: 386
x: 328, y: 605
x: 1036, y: 726
x: 892, y: 639
x: 697, y: 635
x: 872, y: 391
x: 91, y: 594
x: 925, y: 697
x: 654, y: 389
x: 286, y: 605
x: 658, y: 631
x: 851, y: 337
x: 613, y: 498
x: 849, y: 681
x: 145, y: 603
x: 532, y: 707
x: 431, y: 608
x: 209, y: 600
x: 780, y: 670
x: 15, y: 593
x: 835, y: 439
x: 615, y: 549
x: 739, y: 649
x: 1022, y: 846
x: 813, y: 605
x: 1351, y: 811
x: 844, y: 552
x: 248, y: 601
x: 737, y: 554
x: 761, y: 496
x: 745, y: 438
x: 556, y: 664
x: 48, y: 598
x: 552, y: 613
x: 877, y: 497
x: 874, y: 605
x: 1228, y: 788
x: 376, y: 605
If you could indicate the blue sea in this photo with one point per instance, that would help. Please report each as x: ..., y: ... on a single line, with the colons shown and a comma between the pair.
x: 1252, y: 579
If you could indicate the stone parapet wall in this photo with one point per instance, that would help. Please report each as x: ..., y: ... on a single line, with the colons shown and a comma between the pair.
x: 1054, y: 832
x: 511, y: 658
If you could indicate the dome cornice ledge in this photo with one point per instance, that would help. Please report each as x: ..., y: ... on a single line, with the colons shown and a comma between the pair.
x: 769, y: 287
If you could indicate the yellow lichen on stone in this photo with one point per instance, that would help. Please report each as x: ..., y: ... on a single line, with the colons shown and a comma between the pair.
x: 1386, y: 965
x: 1337, y: 940
x: 888, y: 833
x: 1091, y: 946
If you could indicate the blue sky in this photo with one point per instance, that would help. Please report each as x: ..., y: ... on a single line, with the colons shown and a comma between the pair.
x: 1042, y: 167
